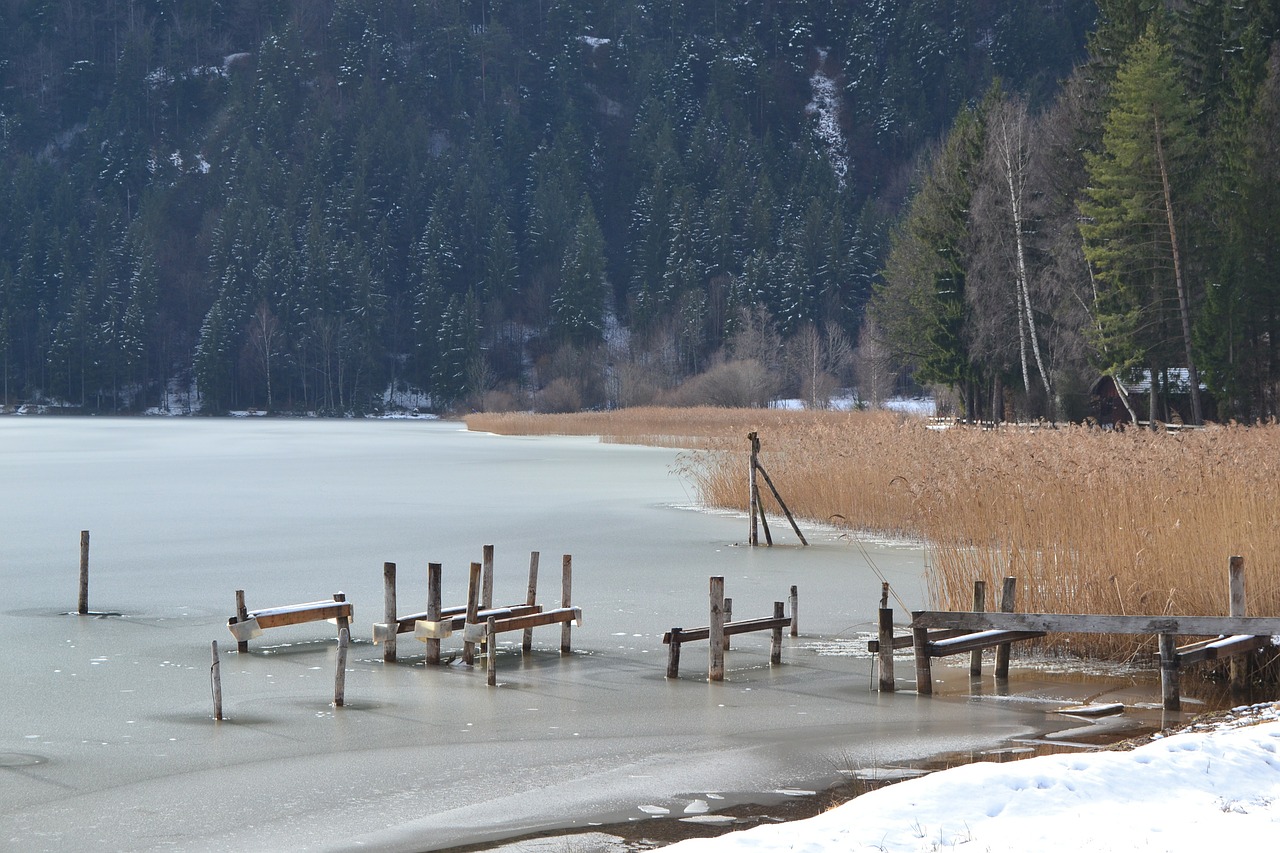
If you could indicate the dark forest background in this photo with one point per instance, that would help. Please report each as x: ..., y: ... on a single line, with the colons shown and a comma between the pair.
x: 314, y: 206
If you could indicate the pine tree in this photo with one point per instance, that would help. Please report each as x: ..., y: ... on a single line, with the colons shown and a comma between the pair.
x: 1131, y: 236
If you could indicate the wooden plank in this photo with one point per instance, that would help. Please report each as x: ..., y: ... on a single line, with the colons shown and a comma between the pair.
x: 531, y: 598
x: 978, y: 641
x: 566, y: 600
x: 1068, y: 623
x: 745, y: 626
x: 315, y: 612
x: 905, y: 640
x: 673, y: 638
x: 473, y: 609
x: 1238, y: 670
x: 408, y: 624
x: 1222, y: 648
x: 533, y: 620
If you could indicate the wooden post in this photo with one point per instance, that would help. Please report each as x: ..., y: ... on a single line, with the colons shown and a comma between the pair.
x: 886, y: 649
x: 433, y: 610
x: 753, y: 493
x: 768, y: 481
x: 215, y: 676
x: 1169, y: 672
x: 979, y: 606
x: 673, y: 654
x: 531, y: 599
x: 1007, y: 594
x: 486, y: 596
x: 83, y: 604
x: 473, y: 609
x: 775, y: 645
x: 924, y: 671
x: 728, y: 617
x: 491, y: 631
x: 242, y: 613
x: 343, y: 622
x: 389, y: 611
x: 566, y: 601
x: 795, y: 611
x: 715, y: 655
x: 1239, y: 664
x: 764, y: 522
x: 340, y: 679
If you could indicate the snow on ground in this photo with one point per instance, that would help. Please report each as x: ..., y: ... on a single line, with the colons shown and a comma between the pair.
x: 1211, y: 783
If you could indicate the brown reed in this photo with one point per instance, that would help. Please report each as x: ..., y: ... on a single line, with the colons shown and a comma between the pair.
x: 1089, y: 521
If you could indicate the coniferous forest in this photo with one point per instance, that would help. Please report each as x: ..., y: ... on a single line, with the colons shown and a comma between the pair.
x: 301, y: 205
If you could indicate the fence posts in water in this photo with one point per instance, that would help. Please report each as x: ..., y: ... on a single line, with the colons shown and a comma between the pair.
x: 433, y: 610
x: 531, y: 598
x: 775, y: 642
x: 340, y: 678
x: 242, y: 614
x: 566, y: 600
x: 795, y: 611
x: 979, y: 606
x: 1239, y: 664
x: 1007, y: 596
x: 215, y: 678
x: 473, y: 609
x: 1169, y: 666
x: 885, y: 652
x: 83, y: 604
x: 491, y: 632
x: 486, y: 594
x: 715, y: 655
x: 389, y: 611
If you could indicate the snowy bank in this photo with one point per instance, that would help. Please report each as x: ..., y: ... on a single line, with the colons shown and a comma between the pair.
x: 1212, y: 782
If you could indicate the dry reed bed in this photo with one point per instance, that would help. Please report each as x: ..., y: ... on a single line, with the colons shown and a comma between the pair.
x: 1089, y: 521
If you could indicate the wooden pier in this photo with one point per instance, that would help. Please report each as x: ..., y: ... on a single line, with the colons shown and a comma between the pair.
x: 721, y: 628
x: 940, y: 633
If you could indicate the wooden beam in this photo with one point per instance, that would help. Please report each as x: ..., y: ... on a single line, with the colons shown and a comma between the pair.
x: 298, y: 614
x: 884, y: 647
x: 1007, y: 594
x: 531, y: 599
x: 533, y: 620
x: 1221, y: 648
x: 1068, y: 623
x: 979, y: 606
x: 744, y: 626
x: 432, y: 649
x: 389, y: 610
x: 715, y: 648
x: 974, y: 643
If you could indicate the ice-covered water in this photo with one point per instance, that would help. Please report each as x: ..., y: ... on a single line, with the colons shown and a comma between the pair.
x: 106, y: 733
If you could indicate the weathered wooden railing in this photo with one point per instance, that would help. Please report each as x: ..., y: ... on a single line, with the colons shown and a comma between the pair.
x: 721, y: 628
x: 247, y: 624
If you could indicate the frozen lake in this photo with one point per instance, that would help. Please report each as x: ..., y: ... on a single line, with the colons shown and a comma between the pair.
x: 106, y: 733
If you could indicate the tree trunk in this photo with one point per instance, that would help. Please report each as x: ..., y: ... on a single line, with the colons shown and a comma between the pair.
x: 1184, y: 308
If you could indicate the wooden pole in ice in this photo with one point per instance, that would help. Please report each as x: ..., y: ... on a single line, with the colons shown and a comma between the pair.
x: 84, y: 573
x: 389, y: 611
x: 215, y: 676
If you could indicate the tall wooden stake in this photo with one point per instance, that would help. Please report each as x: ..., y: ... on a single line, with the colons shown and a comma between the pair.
x: 531, y: 599
x: 775, y: 642
x: 1239, y: 664
x: 1169, y: 687
x: 242, y: 613
x: 795, y: 611
x: 215, y: 676
x: 389, y: 611
x: 340, y: 678
x: 887, y: 683
x: 979, y: 606
x: 491, y: 631
x: 486, y: 597
x: 715, y: 657
x: 473, y: 610
x: 566, y: 600
x: 768, y: 481
x: 83, y: 607
x: 1007, y: 594
x: 924, y: 666
x: 728, y: 617
x: 433, y: 610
